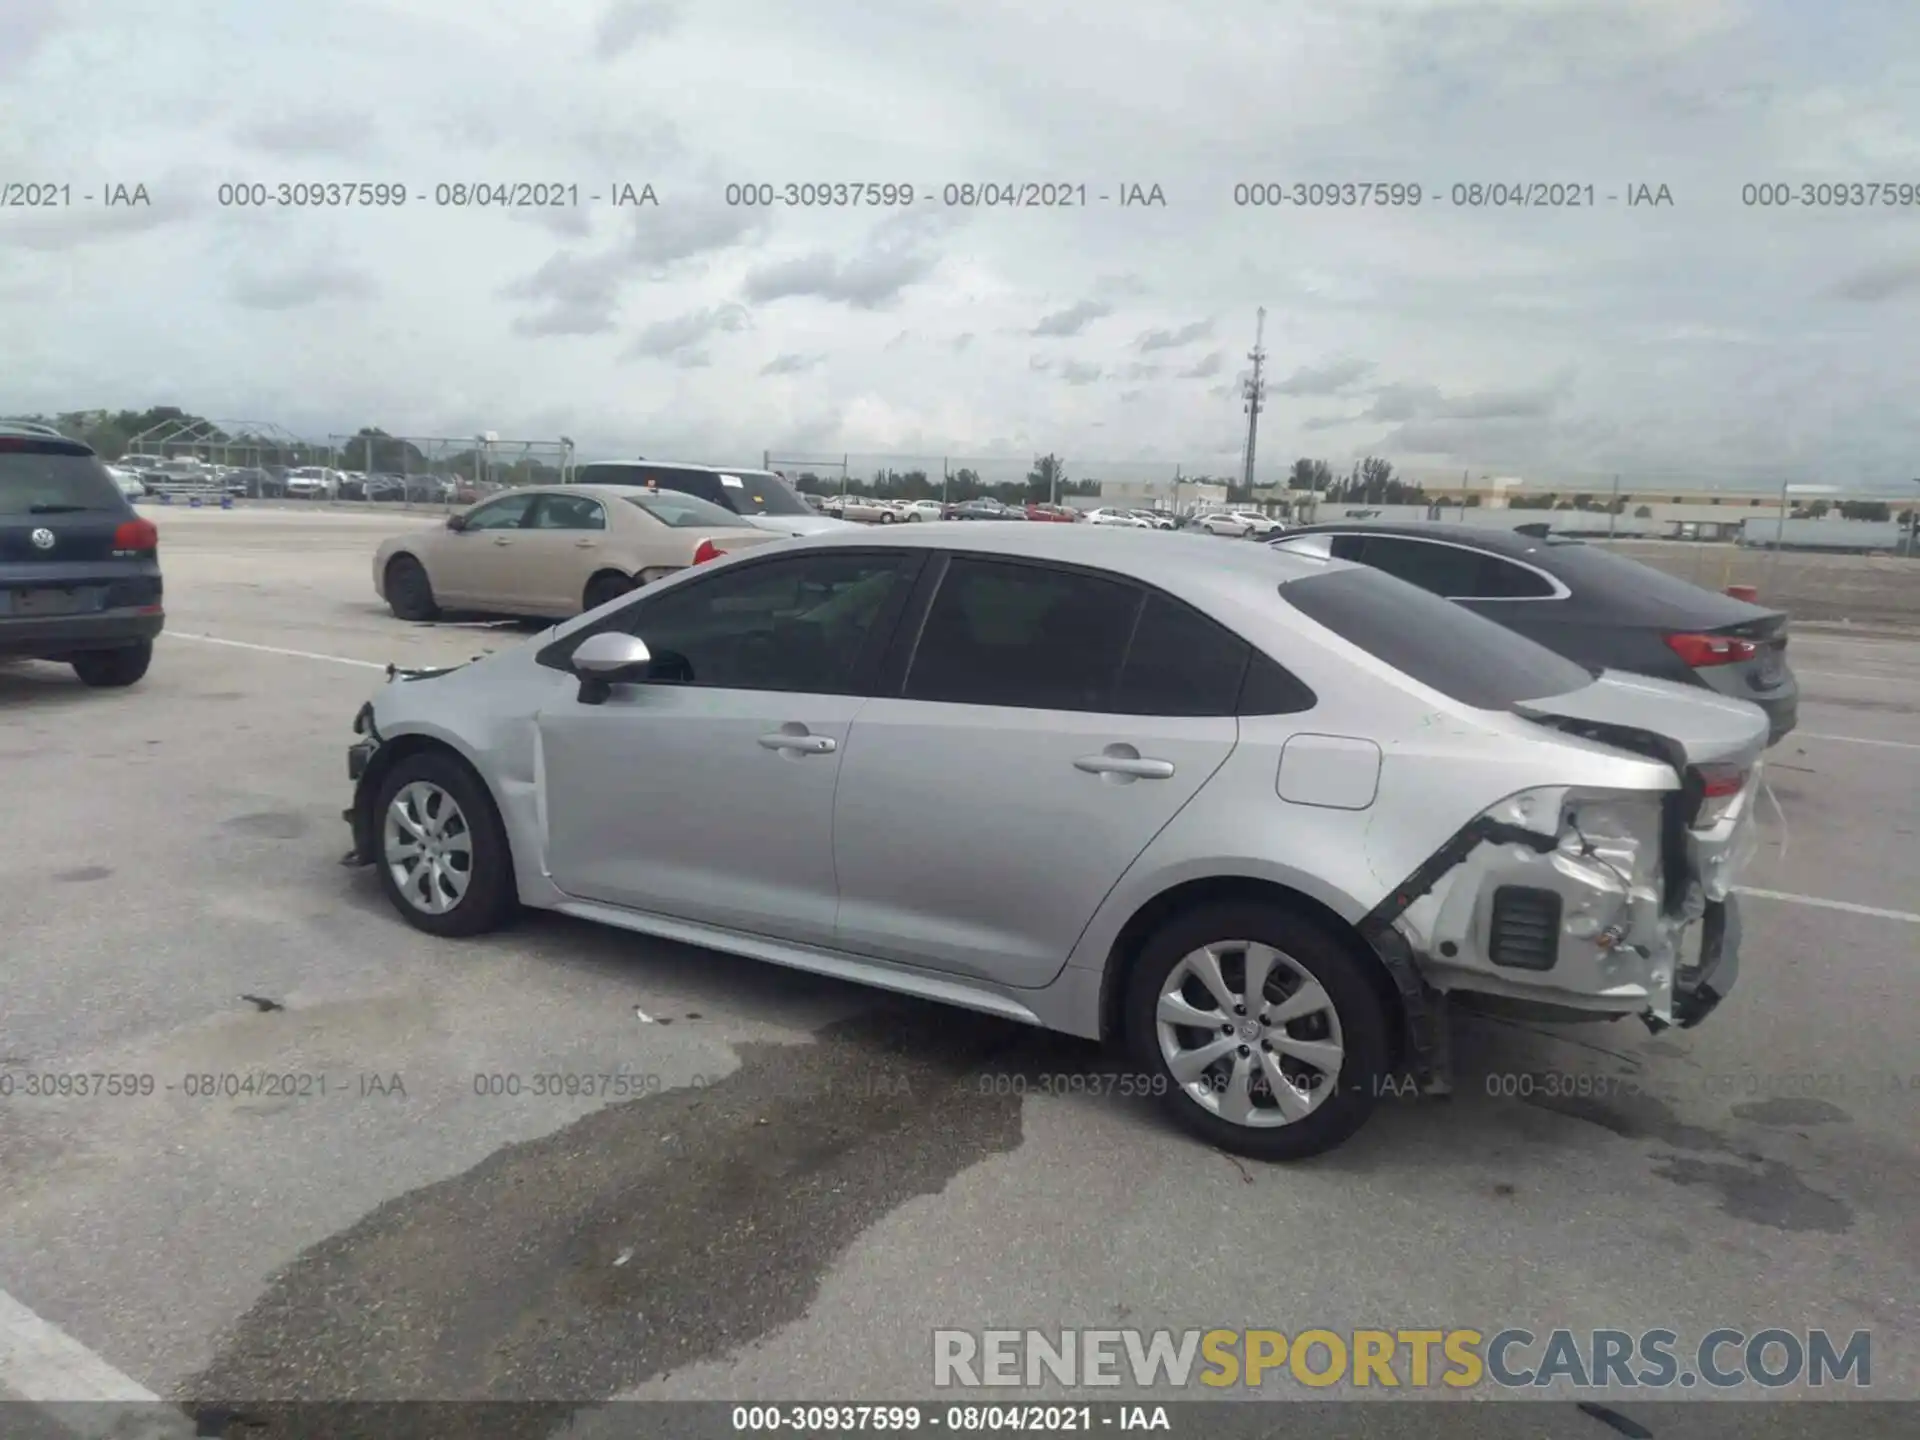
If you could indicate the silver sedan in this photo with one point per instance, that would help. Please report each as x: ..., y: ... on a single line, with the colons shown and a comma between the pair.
x: 1261, y: 818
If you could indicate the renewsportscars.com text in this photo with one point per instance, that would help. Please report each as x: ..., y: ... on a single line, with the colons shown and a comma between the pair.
x: 1455, y: 1359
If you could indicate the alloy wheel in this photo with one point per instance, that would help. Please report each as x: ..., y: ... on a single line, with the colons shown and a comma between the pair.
x: 1248, y: 1033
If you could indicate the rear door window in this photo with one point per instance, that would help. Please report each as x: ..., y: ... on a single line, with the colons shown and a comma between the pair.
x: 1180, y: 663
x: 1026, y: 637
x: 53, y: 477
x: 1443, y: 646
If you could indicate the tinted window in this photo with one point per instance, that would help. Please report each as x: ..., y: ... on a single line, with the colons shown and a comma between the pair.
x: 798, y: 624
x: 51, y: 477
x: 1441, y: 569
x: 1023, y: 636
x: 687, y: 512
x: 689, y: 482
x: 1270, y: 689
x: 1180, y: 663
x: 568, y: 512
x: 761, y: 492
x: 1318, y: 545
x: 1433, y: 641
x: 503, y: 514
x: 1504, y: 580
x: 1601, y: 574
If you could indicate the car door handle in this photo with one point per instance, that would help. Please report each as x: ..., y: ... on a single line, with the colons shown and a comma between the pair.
x: 799, y: 744
x: 1138, y: 767
x: 585, y: 544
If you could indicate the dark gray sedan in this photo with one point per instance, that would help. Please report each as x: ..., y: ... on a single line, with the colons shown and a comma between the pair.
x: 1593, y: 606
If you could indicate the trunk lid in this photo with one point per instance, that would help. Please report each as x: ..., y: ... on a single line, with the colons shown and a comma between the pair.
x: 1697, y: 727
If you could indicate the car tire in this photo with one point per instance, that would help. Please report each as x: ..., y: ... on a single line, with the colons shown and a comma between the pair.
x: 1353, y: 1019
x: 409, y: 591
x: 607, y: 586
x: 887, y: 517
x: 424, y: 784
x: 113, y: 669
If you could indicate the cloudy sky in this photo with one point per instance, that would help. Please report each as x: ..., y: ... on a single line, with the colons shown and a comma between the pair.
x: 1706, y: 337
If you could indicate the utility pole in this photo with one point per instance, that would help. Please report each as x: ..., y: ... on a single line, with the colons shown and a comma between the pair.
x: 1256, y: 391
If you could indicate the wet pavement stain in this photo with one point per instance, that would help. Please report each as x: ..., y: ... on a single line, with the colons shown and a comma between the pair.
x: 270, y: 824
x: 1633, y: 1117
x: 83, y: 874
x: 643, y: 1237
x: 1787, y: 1111
x: 1764, y: 1191
x: 1771, y: 1194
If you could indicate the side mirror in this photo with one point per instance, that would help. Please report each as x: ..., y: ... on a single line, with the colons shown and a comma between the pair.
x: 456, y: 522
x: 608, y: 659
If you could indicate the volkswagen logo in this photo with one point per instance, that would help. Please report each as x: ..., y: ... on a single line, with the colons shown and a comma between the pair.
x: 42, y: 539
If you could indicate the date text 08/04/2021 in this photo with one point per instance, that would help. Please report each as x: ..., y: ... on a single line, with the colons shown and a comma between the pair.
x: 835, y: 1419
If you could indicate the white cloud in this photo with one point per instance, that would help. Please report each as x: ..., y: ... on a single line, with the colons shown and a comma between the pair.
x: 1706, y: 337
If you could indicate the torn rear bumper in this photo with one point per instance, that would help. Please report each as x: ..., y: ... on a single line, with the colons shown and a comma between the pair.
x: 1568, y: 904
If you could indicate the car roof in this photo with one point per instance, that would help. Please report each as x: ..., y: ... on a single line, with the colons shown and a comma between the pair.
x: 681, y: 465
x: 1172, y: 560
x: 33, y: 430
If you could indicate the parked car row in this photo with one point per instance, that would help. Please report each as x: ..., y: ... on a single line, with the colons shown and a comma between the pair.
x: 1312, y: 804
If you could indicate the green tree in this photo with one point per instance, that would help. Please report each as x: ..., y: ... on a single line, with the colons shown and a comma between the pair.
x: 1045, y: 479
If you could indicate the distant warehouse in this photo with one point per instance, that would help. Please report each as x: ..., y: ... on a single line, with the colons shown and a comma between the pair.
x: 1854, y: 536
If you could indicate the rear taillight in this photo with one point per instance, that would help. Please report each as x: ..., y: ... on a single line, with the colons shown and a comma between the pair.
x: 706, y: 551
x: 136, y: 537
x: 1702, y: 650
x: 1720, y: 786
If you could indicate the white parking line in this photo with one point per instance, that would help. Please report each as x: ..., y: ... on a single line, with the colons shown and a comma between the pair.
x: 1887, y: 679
x: 40, y: 1364
x: 1822, y: 904
x: 273, y: 649
x: 1858, y: 740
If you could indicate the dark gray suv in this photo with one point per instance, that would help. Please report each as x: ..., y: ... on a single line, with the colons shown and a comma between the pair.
x: 79, y: 566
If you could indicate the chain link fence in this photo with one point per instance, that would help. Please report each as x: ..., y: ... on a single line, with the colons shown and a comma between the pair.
x: 438, y: 472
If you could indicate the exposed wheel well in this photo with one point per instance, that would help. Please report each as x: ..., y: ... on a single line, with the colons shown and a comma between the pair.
x: 386, y: 571
x: 1168, y: 903
x: 391, y: 753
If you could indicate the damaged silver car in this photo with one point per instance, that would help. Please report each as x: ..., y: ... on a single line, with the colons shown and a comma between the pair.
x: 1259, y: 818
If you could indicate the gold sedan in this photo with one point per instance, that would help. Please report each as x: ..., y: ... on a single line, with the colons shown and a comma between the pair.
x: 553, y: 551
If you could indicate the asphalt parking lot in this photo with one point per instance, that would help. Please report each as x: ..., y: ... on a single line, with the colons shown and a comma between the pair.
x: 810, y: 1178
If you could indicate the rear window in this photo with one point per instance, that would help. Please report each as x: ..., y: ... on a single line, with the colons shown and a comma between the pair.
x: 1605, y: 574
x: 51, y: 477
x: 687, y: 512
x: 1435, y: 642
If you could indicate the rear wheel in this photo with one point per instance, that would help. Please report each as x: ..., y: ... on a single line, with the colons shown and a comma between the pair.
x: 607, y: 586
x: 1263, y: 1030
x: 442, y: 850
x: 113, y: 669
x: 409, y: 591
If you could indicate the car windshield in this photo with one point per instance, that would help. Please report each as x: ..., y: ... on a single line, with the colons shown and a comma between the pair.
x: 46, y: 477
x: 1435, y: 642
x: 686, y: 512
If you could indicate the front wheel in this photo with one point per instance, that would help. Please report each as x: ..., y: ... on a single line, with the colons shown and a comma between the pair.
x: 442, y: 849
x: 1264, y: 1032
x: 114, y: 669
